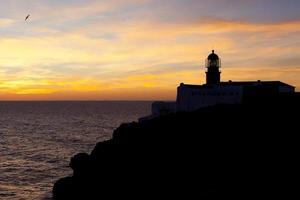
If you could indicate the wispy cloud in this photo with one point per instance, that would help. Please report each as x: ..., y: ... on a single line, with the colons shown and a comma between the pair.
x: 6, y: 22
x: 118, y: 49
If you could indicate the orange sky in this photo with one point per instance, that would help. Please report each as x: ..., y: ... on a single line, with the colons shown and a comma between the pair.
x: 118, y: 50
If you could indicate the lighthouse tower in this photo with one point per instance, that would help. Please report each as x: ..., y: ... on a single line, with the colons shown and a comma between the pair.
x: 214, y: 92
x: 213, y: 73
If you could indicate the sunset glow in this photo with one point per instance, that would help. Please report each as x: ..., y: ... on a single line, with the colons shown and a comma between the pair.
x: 141, y: 49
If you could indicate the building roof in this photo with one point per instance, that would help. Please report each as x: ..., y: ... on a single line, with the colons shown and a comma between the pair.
x: 251, y: 83
x: 240, y: 83
x: 213, y: 56
x: 196, y: 86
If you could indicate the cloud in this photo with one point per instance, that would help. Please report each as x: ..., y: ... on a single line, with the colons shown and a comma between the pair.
x: 96, y: 51
x: 6, y: 22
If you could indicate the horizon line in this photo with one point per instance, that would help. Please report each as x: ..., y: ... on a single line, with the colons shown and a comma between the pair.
x: 75, y: 100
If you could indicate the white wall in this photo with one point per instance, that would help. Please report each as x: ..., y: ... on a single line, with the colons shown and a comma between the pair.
x: 194, y: 98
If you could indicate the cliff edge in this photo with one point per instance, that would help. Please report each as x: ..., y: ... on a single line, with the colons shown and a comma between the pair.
x: 224, y: 150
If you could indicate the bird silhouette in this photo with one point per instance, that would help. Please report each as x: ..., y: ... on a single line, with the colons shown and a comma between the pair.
x: 27, y: 17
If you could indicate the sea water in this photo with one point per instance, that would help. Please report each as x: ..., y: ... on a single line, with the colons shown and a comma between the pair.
x: 37, y: 140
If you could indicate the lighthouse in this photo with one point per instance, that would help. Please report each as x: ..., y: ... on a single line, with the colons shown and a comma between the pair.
x: 214, y: 92
x: 213, y: 65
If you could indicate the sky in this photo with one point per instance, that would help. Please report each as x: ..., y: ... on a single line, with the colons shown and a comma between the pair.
x: 141, y: 49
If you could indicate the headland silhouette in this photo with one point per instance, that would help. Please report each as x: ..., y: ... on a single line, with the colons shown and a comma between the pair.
x: 235, y: 150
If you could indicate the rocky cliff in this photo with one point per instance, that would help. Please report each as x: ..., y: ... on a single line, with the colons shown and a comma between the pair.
x: 234, y: 151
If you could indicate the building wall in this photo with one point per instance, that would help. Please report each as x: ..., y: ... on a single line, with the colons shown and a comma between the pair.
x: 191, y: 98
x: 194, y: 98
x: 286, y: 89
x: 183, y: 98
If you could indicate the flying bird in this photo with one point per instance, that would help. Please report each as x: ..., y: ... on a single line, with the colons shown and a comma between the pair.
x: 27, y: 17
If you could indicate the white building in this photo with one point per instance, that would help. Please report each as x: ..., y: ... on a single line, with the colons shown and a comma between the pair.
x: 193, y: 97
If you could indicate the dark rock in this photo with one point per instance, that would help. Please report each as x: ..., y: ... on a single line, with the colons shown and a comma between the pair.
x: 63, y: 188
x: 80, y: 164
x: 233, y: 151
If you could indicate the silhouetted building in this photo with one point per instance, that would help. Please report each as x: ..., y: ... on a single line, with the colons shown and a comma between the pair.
x: 193, y: 97
x: 213, y: 65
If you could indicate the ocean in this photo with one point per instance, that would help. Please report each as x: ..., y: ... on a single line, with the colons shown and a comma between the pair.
x: 37, y: 140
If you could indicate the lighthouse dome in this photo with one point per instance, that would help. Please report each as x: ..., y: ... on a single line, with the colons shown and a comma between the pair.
x: 213, y: 56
